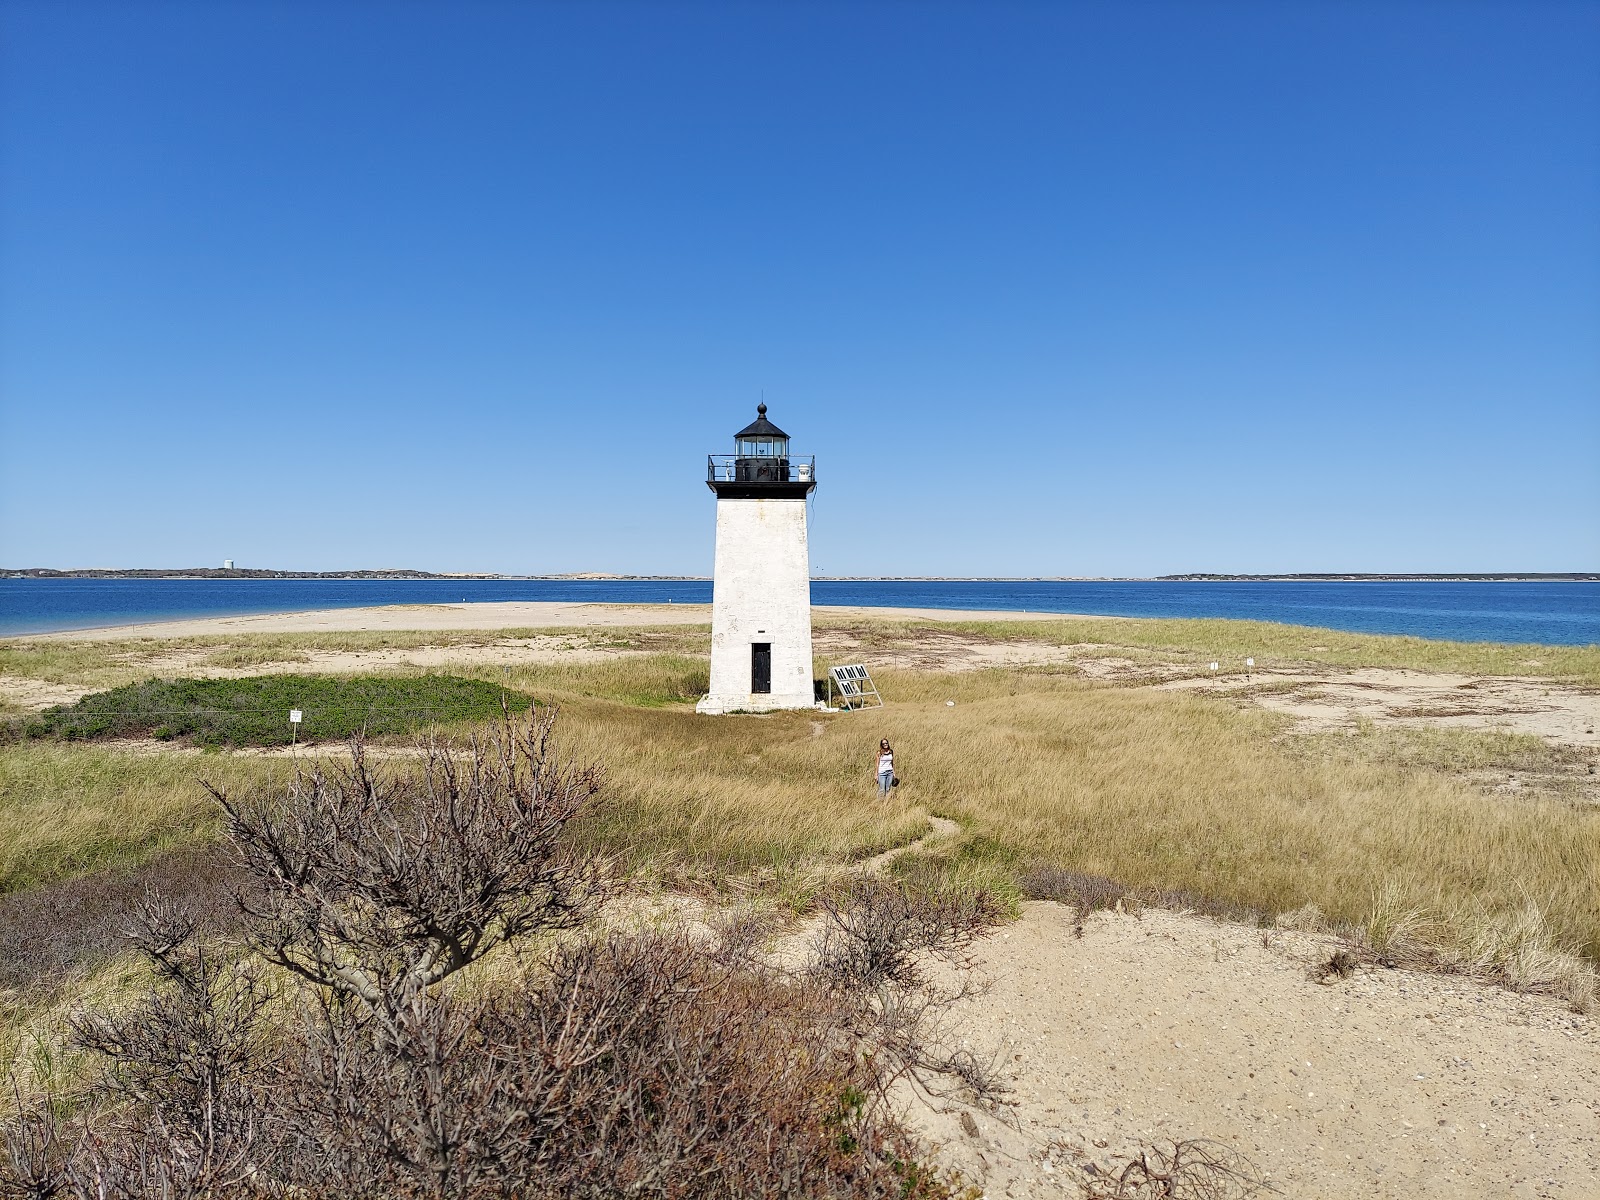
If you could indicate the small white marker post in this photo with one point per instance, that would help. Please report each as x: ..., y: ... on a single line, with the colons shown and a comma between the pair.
x: 294, y: 729
x: 1249, y: 668
x: 1213, y: 670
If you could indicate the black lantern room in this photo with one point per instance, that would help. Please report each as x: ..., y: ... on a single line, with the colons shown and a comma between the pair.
x: 760, y: 465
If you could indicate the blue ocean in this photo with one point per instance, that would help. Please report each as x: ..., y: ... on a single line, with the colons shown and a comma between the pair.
x: 1557, y: 614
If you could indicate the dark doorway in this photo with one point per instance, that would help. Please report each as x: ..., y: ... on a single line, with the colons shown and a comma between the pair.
x: 760, y: 666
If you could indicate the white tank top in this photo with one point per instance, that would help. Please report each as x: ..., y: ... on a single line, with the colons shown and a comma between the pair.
x: 885, y: 762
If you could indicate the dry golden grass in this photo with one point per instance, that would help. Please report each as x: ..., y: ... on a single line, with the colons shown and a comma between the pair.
x: 1157, y: 790
x: 1231, y: 642
x: 1487, y: 758
x: 1166, y: 791
x: 69, y: 808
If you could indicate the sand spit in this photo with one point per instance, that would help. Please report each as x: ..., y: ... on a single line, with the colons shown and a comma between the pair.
x: 403, y: 617
x: 509, y: 614
x: 1171, y: 1026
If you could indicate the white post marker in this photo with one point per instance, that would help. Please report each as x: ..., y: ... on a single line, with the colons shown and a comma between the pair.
x: 294, y: 726
x: 1249, y: 667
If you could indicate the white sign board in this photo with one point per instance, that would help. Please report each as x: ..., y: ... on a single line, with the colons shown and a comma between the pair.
x: 294, y: 716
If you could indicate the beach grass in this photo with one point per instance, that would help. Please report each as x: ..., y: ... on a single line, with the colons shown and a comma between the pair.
x: 1452, y: 751
x: 1230, y: 642
x: 1162, y: 792
x: 70, y: 809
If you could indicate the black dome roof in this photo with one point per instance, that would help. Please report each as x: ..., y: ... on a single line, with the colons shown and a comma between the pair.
x: 761, y: 427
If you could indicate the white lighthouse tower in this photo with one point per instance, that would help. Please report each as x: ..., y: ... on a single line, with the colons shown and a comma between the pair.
x: 761, y: 597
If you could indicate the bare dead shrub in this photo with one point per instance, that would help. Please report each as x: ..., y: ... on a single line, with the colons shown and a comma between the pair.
x: 186, y: 1051
x: 669, y: 1063
x: 1085, y: 892
x: 652, y: 1064
x: 876, y: 943
x: 1194, y: 1169
x: 378, y: 886
x: 32, y: 1160
x: 877, y: 932
x: 180, y: 1099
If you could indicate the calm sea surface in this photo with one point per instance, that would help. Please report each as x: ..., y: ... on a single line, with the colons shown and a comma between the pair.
x: 1549, y: 613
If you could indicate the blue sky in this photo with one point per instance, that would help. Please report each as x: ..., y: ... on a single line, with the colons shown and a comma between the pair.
x: 1064, y: 289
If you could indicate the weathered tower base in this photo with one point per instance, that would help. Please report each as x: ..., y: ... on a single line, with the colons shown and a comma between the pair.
x: 760, y: 608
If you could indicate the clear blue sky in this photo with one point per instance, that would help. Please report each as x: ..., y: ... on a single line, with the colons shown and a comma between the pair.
x: 1079, y: 289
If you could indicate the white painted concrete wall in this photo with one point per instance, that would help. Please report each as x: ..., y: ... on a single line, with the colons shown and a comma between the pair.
x: 761, y: 592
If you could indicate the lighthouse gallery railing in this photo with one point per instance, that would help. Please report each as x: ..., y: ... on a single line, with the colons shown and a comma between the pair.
x: 731, y: 468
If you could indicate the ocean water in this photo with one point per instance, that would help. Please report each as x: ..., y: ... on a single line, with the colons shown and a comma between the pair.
x: 1548, y: 613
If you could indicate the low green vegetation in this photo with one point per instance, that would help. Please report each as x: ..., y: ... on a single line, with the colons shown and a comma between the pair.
x: 254, y: 711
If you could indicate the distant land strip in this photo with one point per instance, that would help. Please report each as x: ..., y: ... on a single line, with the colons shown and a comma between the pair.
x: 1198, y: 577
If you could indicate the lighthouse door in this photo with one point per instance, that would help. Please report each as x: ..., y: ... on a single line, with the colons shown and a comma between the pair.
x: 760, y: 666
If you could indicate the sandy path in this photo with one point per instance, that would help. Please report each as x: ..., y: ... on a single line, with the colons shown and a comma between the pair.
x: 1389, y: 1084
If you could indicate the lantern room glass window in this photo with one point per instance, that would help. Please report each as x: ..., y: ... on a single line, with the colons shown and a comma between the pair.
x: 762, y: 447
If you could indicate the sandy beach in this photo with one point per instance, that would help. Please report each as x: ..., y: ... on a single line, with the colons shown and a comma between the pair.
x: 1167, y: 1026
x: 509, y: 614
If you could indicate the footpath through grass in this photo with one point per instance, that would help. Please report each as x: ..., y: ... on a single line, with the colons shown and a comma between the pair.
x: 255, y: 711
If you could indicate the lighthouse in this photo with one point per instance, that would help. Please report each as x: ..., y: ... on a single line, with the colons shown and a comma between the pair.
x: 761, y: 594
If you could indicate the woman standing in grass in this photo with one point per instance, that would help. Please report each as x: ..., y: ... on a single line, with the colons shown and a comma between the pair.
x: 885, y: 768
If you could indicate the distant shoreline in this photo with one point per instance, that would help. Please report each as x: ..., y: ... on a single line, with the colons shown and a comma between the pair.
x: 150, y: 573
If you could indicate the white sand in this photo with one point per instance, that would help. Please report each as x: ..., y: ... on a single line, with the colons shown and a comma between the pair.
x: 1388, y: 1084
x: 509, y: 614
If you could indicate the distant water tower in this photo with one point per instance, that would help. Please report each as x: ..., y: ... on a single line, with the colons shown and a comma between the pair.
x: 761, y: 595
x: 227, y: 564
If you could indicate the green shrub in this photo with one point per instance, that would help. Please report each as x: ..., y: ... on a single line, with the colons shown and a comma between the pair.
x: 255, y: 711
